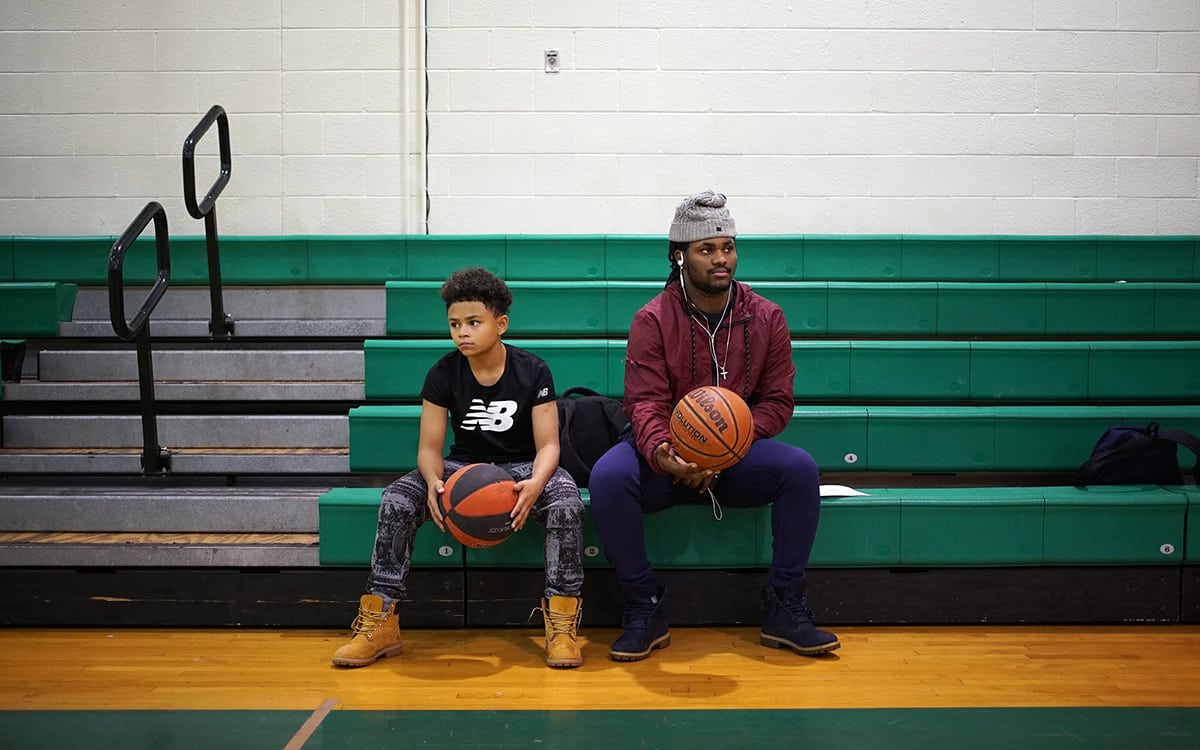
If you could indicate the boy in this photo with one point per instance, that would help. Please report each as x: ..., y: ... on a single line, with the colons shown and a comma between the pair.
x: 500, y: 401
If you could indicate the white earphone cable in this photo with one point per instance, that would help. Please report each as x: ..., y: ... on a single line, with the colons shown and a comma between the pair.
x: 719, y: 370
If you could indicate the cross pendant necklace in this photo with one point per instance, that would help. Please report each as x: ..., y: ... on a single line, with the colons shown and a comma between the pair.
x: 722, y: 373
x: 718, y: 368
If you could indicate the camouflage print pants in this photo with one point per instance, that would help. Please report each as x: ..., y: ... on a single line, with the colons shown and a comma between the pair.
x: 404, y: 509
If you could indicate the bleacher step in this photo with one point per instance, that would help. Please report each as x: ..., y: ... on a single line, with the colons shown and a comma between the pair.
x: 333, y: 311
x: 180, y: 391
x: 158, y: 525
x: 192, y: 365
x: 196, y: 374
x: 888, y: 527
x: 250, y: 302
x: 168, y: 509
x: 244, y: 328
x: 127, y: 461
x: 274, y: 551
x: 177, y: 431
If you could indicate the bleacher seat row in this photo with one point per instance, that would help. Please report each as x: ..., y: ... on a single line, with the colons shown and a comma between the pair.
x: 940, y: 359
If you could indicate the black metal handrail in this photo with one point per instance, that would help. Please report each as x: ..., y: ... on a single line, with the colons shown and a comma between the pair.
x: 221, y: 323
x: 155, y: 458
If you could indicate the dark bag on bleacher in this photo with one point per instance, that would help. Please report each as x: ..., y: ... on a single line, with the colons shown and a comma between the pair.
x: 1139, y: 455
x: 589, y: 424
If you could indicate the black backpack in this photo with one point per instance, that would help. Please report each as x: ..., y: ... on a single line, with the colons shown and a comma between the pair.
x: 589, y: 424
x: 1139, y: 455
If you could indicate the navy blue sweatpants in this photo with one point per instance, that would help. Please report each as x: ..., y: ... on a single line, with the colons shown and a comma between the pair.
x: 623, y: 487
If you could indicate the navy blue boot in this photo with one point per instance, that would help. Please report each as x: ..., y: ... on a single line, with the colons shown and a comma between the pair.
x: 645, y: 623
x: 788, y: 622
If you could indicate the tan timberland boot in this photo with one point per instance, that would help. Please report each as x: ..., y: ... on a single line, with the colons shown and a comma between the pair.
x: 561, y: 615
x: 376, y: 634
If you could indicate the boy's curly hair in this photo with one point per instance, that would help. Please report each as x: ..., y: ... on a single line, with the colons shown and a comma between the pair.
x: 477, y: 285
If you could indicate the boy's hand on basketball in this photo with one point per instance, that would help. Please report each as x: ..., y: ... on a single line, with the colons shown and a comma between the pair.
x: 435, y: 512
x: 682, y: 471
x: 527, y: 494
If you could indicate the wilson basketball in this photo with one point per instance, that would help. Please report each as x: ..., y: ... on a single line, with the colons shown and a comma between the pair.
x: 712, y: 427
x: 476, y: 503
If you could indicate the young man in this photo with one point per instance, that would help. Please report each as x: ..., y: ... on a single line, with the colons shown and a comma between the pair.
x: 704, y: 328
x: 500, y: 402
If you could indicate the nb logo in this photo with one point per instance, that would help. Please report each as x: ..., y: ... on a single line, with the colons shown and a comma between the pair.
x: 543, y: 392
x: 493, y: 417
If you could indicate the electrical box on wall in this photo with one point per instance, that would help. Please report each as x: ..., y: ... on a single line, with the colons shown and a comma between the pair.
x: 551, y: 60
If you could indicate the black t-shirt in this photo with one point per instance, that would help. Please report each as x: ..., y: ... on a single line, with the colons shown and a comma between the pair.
x: 492, y: 424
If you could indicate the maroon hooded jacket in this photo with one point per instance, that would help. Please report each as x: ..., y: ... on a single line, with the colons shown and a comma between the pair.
x: 668, y: 355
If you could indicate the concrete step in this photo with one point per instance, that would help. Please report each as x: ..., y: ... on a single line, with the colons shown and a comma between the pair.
x: 177, y: 431
x: 222, y: 391
x: 243, y: 302
x: 127, y: 462
x: 159, y: 525
x: 198, y: 374
x: 159, y: 551
x: 264, y: 328
x: 194, y: 365
x: 134, y: 508
x: 323, y: 311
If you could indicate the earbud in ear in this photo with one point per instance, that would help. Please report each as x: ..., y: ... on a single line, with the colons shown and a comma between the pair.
x: 679, y: 260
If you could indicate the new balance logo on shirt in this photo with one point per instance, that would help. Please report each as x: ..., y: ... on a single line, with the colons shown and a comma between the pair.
x: 494, y: 417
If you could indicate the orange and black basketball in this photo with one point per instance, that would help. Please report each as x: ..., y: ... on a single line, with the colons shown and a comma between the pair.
x: 476, y: 503
x: 712, y: 427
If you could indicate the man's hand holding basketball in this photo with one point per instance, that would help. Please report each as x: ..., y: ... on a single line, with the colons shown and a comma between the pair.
x: 682, y: 471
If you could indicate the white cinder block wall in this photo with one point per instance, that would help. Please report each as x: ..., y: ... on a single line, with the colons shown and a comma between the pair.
x: 97, y: 97
x: 831, y: 116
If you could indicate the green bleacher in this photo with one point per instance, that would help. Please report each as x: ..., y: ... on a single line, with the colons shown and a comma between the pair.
x: 383, y: 438
x: 30, y: 308
x: 919, y: 370
x: 923, y: 527
x: 374, y: 259
x: 858, y: 308
x: 1001, y: 358
x: 947, y: 376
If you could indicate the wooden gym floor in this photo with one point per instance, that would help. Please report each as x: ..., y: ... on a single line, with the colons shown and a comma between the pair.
x: 888, y: 687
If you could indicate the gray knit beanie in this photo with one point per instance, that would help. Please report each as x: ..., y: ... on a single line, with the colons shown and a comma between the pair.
x: 701, y: 216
